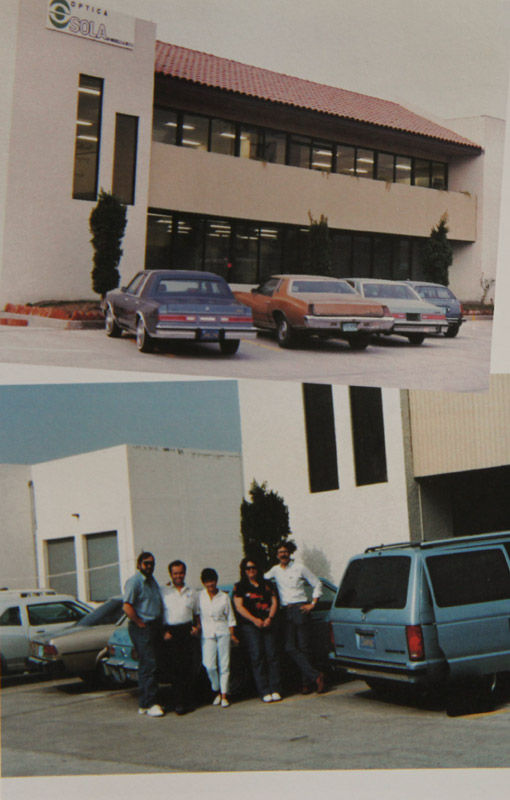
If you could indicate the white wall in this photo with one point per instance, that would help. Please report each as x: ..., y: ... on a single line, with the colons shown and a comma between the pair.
x: 186, y: 505
x: 328, y: 527
x: 47, y: 252
x: 17, y: 539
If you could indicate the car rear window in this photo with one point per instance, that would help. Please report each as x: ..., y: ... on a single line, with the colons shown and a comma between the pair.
x: 389, y: 290
x: 379, y: 582
x: 324, y: 287
x: 480, y: 576
x: 190, y: 288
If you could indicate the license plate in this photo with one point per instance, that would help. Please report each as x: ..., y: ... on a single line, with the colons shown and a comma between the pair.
x: 210, y: 334
x: 367, y: 642
x: 349, y: 327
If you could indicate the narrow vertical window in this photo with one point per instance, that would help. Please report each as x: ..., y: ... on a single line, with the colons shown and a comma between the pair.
x: 103, y: 577
x: 320, y: 437
x: 368, y: 435
x: 124, y: 159
x: 88, y: 137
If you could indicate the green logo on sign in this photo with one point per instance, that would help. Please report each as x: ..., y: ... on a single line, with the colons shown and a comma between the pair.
x: 59, y: 13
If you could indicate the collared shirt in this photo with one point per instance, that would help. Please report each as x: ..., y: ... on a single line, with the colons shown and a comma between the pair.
x: 291, y: 581
x: 216, y: 614
x: 179, y: 606
x: 144, y: 595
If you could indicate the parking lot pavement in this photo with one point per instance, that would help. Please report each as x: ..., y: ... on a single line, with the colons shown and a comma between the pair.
x: 59, y: 728
x: 460, y: 364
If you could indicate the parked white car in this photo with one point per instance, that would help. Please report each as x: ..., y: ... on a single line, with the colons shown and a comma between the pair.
x: 25, y: 613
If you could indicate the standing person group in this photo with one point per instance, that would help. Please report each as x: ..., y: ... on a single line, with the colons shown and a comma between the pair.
x: 163, y: 622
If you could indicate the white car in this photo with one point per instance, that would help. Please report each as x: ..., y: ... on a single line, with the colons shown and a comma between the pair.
x: 25, y: 613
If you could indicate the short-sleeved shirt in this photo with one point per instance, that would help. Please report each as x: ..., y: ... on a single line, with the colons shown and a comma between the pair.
x: 180, y: 607
x: 216, y: 614
x: 256, y: 600
x: 144, y: 595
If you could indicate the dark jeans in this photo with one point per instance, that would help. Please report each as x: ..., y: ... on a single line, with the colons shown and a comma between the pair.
x: 146, y: 641
x: 298, y: 641
x: 261, y: 646
x: 178, y: 651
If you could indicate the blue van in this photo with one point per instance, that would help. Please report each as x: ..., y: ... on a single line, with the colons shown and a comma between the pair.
x: 443, y: 297
x: 427, y: 614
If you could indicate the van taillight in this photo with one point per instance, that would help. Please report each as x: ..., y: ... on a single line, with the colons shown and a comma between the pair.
x: 415, y: 642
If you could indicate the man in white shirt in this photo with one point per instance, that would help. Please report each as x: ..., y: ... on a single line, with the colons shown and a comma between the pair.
x: 291, y: 578
x: 181, y: 624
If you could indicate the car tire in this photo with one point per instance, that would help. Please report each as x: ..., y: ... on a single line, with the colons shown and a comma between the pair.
x: 240, y: 674
x: 111, y: 327
x: 285, y: 333
x: 452, y: 331
x: 416, y: 338
x: 359, y: 342
x: 229, y: 347
x: 143, y: 340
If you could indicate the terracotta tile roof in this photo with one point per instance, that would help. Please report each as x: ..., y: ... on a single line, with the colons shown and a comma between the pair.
x: 223, y: 73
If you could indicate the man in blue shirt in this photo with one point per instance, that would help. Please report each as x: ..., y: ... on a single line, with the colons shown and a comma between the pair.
x: 143, y: 606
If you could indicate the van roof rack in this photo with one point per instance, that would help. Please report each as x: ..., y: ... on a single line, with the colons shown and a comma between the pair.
x: 474, y: 539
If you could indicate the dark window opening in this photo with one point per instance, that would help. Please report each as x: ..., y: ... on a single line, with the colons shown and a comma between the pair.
x: 320, y: 437
x: 124, y: 160
x: 380, y: 582
x: 368, y: 435
x: 481, y: 576
x: 88, y: 137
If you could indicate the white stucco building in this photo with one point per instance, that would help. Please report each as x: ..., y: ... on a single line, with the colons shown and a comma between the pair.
x: 219, y: 163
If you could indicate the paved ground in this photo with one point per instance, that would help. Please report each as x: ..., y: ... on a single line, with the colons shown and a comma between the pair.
x: 460, y: 364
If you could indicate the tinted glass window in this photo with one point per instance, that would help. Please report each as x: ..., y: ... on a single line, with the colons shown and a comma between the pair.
x: 164, y: 126
x: 375, y: 583
x: 345, y: 160
x: 11, y: 616
x: 385, y: 164
x: 320, y: 437
x: 124, y: 163
x: 324, y: 287
x: 88, y: 134
x: 195, y: 132
x: 365, y: 163
x: 299, y: 152
x: 223, y: 137
x: 275, y: 145
x: 51, y: 613
x: 191, y: 287
x: 403, y: 169
x: 251, y: 142
x: 322, y: 156
x: 460, y: 579
x: 133, y: 287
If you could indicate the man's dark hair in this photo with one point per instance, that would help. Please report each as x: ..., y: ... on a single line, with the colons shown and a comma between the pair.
x: 290, y: 546
x: 176, y: 563
x: 208, y: 574
x: 143, y: 555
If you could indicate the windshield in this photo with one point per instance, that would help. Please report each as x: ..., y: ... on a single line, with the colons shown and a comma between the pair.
x: 107, y: 614
x: 394, y: 290
x: 379, y: 582
x: 324, y: 287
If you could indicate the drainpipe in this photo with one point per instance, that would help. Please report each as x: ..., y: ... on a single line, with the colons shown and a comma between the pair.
x: 33, y: 515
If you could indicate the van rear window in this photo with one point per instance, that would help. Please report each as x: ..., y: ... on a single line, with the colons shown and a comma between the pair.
x: 480, y: 576
x: 375, y: 583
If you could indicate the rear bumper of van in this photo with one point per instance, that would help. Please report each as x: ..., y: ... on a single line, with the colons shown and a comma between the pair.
x: 419, y: 673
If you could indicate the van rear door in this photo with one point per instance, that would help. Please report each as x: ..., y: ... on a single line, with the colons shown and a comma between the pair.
x: 471, y: 597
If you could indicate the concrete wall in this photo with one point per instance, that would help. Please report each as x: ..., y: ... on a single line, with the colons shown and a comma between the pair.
x: 46, y: 249
x: 210, y: 183
x: 329, y: 527
x: 186, y: 505
x: 17, y: 539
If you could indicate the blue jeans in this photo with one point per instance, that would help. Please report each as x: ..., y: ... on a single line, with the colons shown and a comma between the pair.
x: 261, y: 646
x: 298, y: 641
x: 146, y: 641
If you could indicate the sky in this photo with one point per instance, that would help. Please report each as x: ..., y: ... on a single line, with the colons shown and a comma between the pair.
x: 43, y: 422
x: 446, y: 57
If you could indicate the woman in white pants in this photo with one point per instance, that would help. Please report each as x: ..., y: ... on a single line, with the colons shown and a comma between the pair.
x: 218, y: 630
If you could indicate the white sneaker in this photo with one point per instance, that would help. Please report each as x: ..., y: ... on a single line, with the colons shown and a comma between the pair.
x: 276, y: 696
x: 217, y: 700
x: 225, y: 703
x: 268, y: 698
x: 155, y: 711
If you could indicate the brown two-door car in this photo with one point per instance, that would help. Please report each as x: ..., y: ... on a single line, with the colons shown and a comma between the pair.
x: 294, y: 305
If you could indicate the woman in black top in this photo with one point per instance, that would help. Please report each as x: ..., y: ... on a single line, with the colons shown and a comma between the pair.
x: 256, y: 604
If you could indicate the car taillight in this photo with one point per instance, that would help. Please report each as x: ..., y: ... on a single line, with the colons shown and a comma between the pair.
x: 50, y: 651
x: 437, y: 317
x: 177, y: 317
x: 415, y: 644
x: 236, y: 319
x: 462, y: 309
x: 399, y: 316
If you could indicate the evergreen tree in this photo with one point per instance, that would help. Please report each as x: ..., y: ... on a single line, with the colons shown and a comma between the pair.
x: 107, y: 225
x: 437, y: 254
x: 264, y: 523
x: 319, y: 246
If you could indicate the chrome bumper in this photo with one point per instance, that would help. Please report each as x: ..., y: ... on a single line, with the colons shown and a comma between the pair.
x: 337, y: 324
x: 202, y: 334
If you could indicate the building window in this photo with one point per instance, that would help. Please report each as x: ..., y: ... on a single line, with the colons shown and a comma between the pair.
x: 61, y: 565
x: 368, y: 435
x: 251, y: 143
x: 124, y: 159
x: 439, y: 175
x: 320, y: 437
x: 299, y: 152
x: 103, y: 576
x: 403, y: 170
x: 217, y: 247
x: 188, y: 242
x: 88, y: 137
x: 164, y: 126
x: 322, y: 157
x: 159, y: 241
x: 223, y: 137
x: 275, y: 147
x: 421, y: 172
x: 195, y: 132
x: 345, y: 160
x: 385, y: 164
x: 365, y: 163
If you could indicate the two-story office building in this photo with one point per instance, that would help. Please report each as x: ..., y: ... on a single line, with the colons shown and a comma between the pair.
x: 220, y: 164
